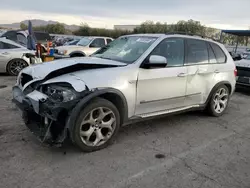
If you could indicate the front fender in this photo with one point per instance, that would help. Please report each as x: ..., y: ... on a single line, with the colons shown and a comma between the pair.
x: 84, y: 101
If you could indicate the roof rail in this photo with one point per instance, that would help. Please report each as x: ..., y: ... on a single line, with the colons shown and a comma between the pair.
x: 190, y: 34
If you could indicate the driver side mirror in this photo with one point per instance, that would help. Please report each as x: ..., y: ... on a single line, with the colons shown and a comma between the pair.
x: 156, y: 61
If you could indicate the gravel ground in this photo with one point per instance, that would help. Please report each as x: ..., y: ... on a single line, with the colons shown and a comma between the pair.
x: 188, y: 150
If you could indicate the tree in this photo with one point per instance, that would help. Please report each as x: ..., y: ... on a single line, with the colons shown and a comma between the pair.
x: 23, y: 26
x: 55, y: 28
x: 51, y: 28
x: 84, y: 30
x: 190, y: 26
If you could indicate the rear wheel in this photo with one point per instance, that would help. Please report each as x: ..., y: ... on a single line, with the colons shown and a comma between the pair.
x: 219, y: 101
x: 15, y: 66
x: 96, y: 126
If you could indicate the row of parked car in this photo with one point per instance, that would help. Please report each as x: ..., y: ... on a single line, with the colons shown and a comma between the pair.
x: 13, y: 46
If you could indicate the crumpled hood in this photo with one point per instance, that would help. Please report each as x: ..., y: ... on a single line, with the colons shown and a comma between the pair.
x: 243, y: 63
x: 40, y: 71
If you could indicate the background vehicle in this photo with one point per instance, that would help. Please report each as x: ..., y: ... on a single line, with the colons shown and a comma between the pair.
x: 134, y: 77
x: 236, y: 56
x: 12, y: 59
x: 20, y: 36
x: 243, y: 75
x: 84, y: 47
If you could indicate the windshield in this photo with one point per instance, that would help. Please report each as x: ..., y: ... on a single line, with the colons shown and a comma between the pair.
x: 125, y: 49
x: 74, y: 42
x: 248, y: 57
x: 84, y: 41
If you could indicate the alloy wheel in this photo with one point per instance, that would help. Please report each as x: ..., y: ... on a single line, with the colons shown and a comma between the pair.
x: 220, y: 100
x: 16, y: 66
x: 97, y: 126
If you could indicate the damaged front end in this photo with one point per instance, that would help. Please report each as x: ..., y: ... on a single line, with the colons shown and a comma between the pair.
x: 48, y: 92
x: 46, y: 107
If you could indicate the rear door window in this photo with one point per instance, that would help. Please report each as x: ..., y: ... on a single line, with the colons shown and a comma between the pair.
x: 219, y: 54
x: 196, y: 51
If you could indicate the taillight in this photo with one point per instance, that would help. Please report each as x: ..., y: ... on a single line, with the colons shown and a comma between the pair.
x: 235, y: 72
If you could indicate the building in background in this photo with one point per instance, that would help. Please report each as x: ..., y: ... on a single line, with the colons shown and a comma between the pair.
x: 125, y: 27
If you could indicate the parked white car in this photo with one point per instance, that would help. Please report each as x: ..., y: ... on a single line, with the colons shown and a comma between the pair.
x: 85, y: 47
x: 12, y: 59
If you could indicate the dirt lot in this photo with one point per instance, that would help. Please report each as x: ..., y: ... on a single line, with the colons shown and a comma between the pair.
x: 188, y: 150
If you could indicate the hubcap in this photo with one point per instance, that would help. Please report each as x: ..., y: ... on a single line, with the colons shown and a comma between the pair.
x: 17, y: 66
x: 97, y: 126
x: 220, y: 100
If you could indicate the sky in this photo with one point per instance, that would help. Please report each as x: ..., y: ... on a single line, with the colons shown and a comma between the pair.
x: 221, y: 14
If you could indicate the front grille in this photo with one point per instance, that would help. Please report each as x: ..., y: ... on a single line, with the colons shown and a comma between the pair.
x: 25, y: 78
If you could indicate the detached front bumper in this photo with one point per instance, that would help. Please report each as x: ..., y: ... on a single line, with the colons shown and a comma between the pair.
x: 45, y: 119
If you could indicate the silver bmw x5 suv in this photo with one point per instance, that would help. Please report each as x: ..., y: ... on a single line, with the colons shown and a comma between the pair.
x: 87, y: 99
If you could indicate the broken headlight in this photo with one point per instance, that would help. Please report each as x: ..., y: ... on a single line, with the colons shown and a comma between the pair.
x: 59, y: 93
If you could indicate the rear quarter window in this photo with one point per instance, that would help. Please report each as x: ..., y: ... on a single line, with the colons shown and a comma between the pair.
x: 218, y: 52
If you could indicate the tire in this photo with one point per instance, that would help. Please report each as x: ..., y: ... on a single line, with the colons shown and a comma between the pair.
x: 219, y: 97
x: 87, y: 132
x: 15, y: 66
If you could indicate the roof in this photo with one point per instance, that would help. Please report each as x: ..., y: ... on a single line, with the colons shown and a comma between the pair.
x: 237, y: 32
x: 172, y: 34
x: 147, y: 35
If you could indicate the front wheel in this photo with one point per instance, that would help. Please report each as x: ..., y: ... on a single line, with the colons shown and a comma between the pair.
x: 96, y: 126
x: 15, y: 66
x: 219, y: 101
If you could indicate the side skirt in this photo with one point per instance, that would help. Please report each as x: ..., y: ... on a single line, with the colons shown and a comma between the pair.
x: 163, y: 113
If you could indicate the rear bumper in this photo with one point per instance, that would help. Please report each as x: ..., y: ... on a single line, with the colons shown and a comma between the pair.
x: 243, y: 77
x: 242, y: 85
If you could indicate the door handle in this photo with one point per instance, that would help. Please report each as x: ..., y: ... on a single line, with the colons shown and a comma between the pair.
x: 182, y: 74
x: 5, y: 53
x: 216, y: 71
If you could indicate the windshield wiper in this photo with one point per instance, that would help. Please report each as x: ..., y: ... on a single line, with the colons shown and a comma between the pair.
x: 103, y: 57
